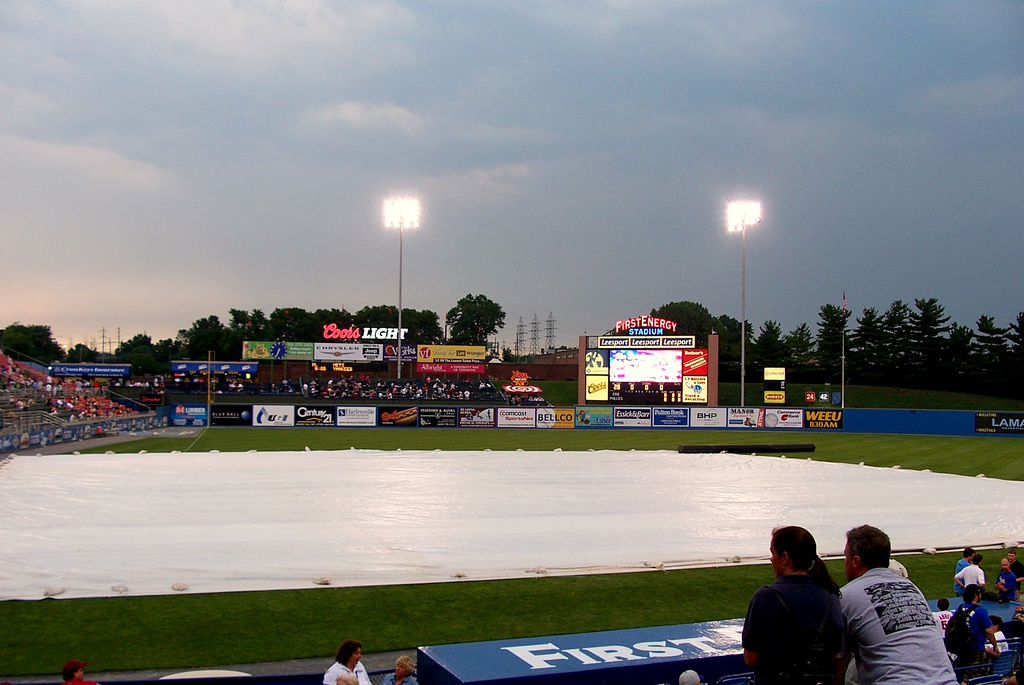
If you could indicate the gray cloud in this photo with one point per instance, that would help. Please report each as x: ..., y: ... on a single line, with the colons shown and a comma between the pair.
x: 572, y: 156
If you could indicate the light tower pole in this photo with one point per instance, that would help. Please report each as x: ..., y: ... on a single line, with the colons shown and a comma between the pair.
x: 739, y: 215
x: 401, y: 213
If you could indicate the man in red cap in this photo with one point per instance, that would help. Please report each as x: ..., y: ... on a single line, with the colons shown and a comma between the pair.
x: 73, y: 672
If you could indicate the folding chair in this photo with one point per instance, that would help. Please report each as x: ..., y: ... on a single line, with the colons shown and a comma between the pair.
x: 736, y: 679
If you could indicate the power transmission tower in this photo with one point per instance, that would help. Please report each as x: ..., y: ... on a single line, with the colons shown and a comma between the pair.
x: 549, y: 334
x: 535, y: 335
x: 520, y: 337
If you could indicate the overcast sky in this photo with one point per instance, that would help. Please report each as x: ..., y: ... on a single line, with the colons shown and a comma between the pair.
x: 164, y: 160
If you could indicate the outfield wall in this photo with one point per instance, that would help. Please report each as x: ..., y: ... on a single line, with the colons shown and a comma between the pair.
x: 589, y: 417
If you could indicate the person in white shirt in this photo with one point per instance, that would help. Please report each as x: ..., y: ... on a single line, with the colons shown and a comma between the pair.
x: 346, y: 663
x: 971, y: 575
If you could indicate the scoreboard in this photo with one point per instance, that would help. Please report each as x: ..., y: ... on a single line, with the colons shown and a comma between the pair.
x: 646, y: 370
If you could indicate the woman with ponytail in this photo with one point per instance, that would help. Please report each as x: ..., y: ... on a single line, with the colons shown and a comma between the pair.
x: 794, y: 627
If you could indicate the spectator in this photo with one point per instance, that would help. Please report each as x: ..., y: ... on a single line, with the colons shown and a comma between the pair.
x: 1017, y: 567
x: 74, y: 672
x: 982, y: 631
x: 889, y: 627
x: 403, y: 675
x: 943, y: 615
x: 964, y: 562
x: 1000, y: 646
x: 1007, y: 584
x: 346, y: 662
x: 796, y: 622
x: 972, y: 574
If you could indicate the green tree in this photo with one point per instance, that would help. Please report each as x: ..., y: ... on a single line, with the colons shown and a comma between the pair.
x: 1015, y: 355
x: 896, y: 347
x: 474, y: 319
x: 929, y: 326
x: 206, y: 336
x: 991, y: 346
x: 293, y: 324
x: 140, y: 353
x: 960, y: 354
x: 866, y: 349
x: 768, y: 348
x: 693, y: 319
x: 81, y: 354
x: 799, y: 344
x: 728, y: 330
x: 32, y: 342
x: 832, y: 321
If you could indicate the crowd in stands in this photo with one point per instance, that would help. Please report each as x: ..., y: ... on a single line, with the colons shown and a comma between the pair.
x: 27, y: 388
x: 418, y: 389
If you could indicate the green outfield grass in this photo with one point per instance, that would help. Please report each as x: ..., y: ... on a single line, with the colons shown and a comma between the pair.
x: 183, y: 631
x: 563, y: 394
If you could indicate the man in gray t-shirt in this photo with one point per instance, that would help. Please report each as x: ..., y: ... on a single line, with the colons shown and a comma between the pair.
x: 889, y: 626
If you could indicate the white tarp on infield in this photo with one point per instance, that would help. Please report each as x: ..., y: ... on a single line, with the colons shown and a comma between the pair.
x: 273, y: 520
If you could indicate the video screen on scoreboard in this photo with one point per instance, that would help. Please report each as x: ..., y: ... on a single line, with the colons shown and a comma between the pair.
x: 645, y: 376
x: 645, y: 366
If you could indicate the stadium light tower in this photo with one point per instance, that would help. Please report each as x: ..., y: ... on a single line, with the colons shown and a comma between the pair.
x: 739, y: 215
x: 401, y: 213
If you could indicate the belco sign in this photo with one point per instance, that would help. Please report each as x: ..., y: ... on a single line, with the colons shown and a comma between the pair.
x: 332, y: 332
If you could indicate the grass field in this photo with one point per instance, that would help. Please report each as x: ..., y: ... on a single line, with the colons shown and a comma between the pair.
x: 563, y: 394
x: 205, y: 630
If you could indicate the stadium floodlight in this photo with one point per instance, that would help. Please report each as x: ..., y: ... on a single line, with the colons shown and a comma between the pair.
x: 739, y: 215
x: 401, y: 213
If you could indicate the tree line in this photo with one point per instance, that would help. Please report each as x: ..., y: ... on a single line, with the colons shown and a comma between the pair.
x: 472, y: 320
x: 904, y: 346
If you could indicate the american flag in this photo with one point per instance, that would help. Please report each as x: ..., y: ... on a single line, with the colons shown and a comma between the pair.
x: 844, y: 301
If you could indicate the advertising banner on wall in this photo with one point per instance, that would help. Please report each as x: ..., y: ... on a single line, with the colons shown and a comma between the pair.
x: 671, y: 417
x: 439, y: 417
x: 230, y: 414
x: 398, y: 416
x: 91, y: 370
x: 451, y: 353
x: 273, y: 415
x: 447, y: 367
x: 316, y: 415
x: 999, y: 422
x: 594, y: 417
x: 695, y: 389
x: 391, y: 353
x: 516, y: 417
x: 743, y: 417
x: 278, y: 350
x: 695, y: 363
x: 783, y: 418
x: 713, y: 417
x: 356, y: 417
x: 188, y: 414
x: 831, y: 419
x: 596, y: 363
x: 555, y: 417
x: 476, y: 417
x: 597, y: 388
x: 347, y: 352
x: 631, y: 417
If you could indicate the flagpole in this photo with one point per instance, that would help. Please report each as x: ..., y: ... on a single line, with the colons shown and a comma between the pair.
x: 842, y: 357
